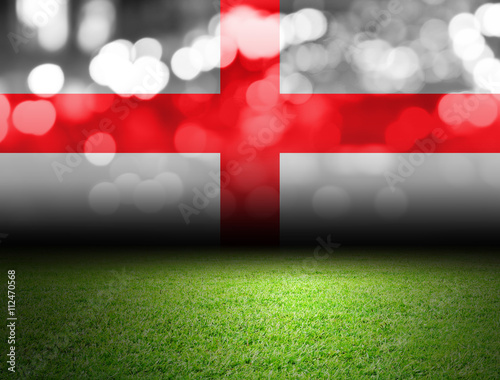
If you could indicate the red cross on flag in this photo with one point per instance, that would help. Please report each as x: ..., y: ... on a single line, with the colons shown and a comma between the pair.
x: 192, y: 123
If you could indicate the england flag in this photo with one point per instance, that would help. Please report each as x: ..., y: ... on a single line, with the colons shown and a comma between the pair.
x: 249, y: 122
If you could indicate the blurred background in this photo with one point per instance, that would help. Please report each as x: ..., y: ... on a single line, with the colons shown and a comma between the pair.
x: 101, y: 46
x: 390, y: 198
x: 390, y: 46
x: 120, y: 198
x: 172, y: 46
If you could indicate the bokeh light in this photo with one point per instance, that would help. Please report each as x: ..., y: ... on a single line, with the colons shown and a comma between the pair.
x: 4, y: 129
x: 344, y: 48
x: 190, y: 138
x: 487, y: 74
x: 262, y: 95
x: 129, y: 69
x: 149, y: 196
x: 208, y: 48
x: 331, y: 202
x: 489, y: 16
x: 104, y: 198
x: 34, y: 117
x: 187, y: 63
x: 147, y: 47
x: 4, y: 107
x: 100, y: 149
x: 253, y: 37
x: 98, y: 18
x: 46, y: 80
x: 126, y: 185
x: 173, y: 186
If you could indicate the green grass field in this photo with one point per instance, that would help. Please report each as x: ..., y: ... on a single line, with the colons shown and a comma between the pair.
x: 384, y: 314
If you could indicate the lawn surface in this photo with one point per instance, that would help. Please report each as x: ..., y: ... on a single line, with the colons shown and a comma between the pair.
x: 386, y: 314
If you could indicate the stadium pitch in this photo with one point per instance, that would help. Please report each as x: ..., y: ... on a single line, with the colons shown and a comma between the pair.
x: 137, y: 313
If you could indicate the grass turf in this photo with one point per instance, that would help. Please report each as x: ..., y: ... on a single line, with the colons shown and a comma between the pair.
x: 387, y: 315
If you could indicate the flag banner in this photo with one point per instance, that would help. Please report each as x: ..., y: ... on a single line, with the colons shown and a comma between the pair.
x: 63, y: 198
x: 387, y: 198
x: 350, y: 77
x: 164, y: 198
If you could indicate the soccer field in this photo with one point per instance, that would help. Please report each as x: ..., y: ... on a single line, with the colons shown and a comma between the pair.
x: 386, y: 314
